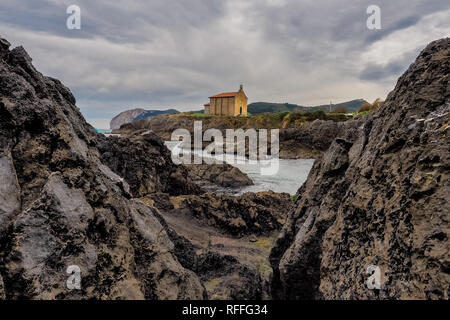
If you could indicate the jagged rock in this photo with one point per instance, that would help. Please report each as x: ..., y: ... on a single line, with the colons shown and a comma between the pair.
x: 310, y: 139
x: 226, y: 278
x: 222, y: 175
x: 145, y: 163
x: 61, y: 206
x: 379, y: 197
x: 250, y: 213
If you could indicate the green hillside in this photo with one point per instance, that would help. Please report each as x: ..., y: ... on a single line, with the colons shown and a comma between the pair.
x: 263, y: 107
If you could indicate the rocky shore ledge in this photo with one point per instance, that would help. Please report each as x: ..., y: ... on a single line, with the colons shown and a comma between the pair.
x: 306, y: 141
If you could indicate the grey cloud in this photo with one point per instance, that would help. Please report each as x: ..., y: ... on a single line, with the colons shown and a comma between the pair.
x: 379, y: 72
x: 398, y: 25
x: 120, y: 20
x: 375, y: 72
x: 167, y: 53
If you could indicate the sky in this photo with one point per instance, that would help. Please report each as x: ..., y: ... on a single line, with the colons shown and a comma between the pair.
x: 161, y: 54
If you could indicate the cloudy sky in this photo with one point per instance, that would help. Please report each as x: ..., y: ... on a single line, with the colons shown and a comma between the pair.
x: 159, y: 54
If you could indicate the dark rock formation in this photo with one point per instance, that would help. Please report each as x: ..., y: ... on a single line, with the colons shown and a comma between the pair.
x: 380, y: 197
x: 223, y: 175
x: 310, y: 139
x: 145, y: 163
x: 250, y: 213
x: 61, y: 206
x: 129, y: 116
x: 226, y: 278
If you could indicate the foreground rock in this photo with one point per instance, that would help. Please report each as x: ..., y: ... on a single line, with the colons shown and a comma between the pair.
x: 310, y: 139
x: 226, y: 278
x: 231, y: 267
x: 224, y: 239
x: 68, y: 197
x: 61, y: 206
x: 225, y: 274
x: 380, y: 198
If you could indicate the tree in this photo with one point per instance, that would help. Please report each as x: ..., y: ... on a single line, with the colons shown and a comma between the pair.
x: 371, y: 106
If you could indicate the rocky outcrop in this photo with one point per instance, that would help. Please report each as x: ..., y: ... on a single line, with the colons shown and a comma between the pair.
x: 303, y: 140
x: 379, y: 198
x: 145, y: 163
x: 230, y: 267
x: 222, y: 175
x: 250, y: 213
x: 226, y: 278
x: 60, y: 206
x: 143, y: 160
x: 309, y: 140
x: 129, y: 116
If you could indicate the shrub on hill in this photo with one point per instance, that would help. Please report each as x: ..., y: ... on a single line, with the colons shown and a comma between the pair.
x: 371, y: 106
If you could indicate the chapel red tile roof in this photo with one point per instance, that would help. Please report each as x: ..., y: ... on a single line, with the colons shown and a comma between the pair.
x: 225, y: 94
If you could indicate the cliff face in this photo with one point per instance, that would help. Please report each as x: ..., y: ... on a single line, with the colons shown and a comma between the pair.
x: 129, y: 116
x: 61, y: 206
x: 310, y: 139
x: 380, y: 197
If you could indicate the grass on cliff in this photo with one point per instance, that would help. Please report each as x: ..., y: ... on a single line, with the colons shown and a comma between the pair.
x: 272, y: 120
x: 199, y: 115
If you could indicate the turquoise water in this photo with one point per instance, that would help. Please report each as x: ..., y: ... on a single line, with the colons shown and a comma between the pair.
x: 291, y: 174
x: 103, y: 130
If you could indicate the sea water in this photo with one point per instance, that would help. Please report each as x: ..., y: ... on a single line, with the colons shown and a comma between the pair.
x: 291, y: 175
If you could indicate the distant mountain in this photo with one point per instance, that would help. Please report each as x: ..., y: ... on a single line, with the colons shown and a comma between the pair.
x: 263, y: 107
x: 135, y: 115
